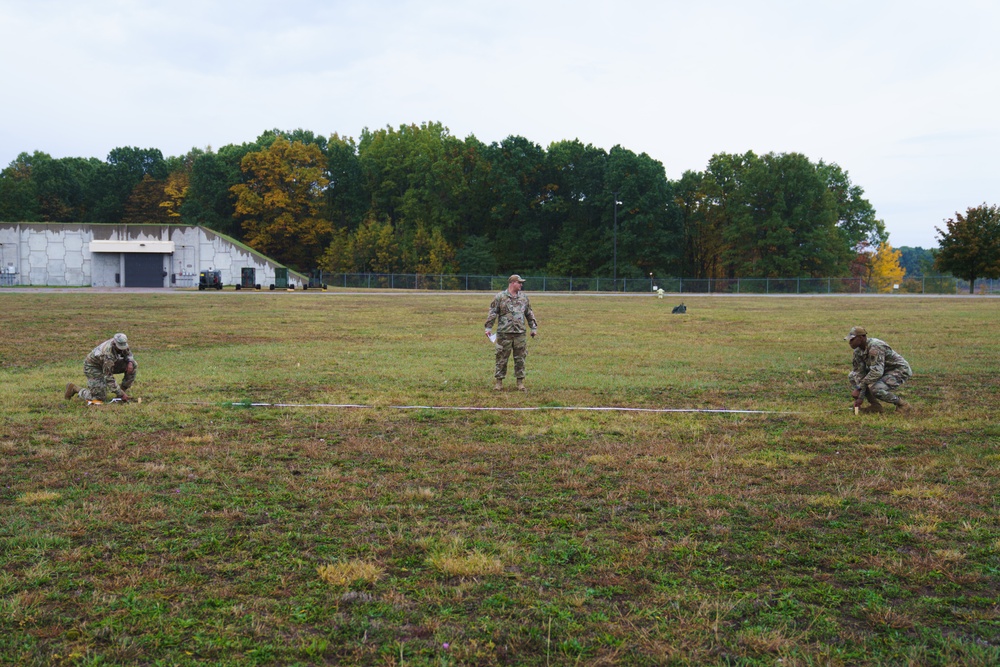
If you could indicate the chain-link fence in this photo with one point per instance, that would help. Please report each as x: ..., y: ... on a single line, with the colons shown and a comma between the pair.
x: 417, y: 281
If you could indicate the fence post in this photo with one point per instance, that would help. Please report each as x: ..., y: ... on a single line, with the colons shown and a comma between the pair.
x: 571, y: 283
x: 543, y: 283
x: 797, y: 285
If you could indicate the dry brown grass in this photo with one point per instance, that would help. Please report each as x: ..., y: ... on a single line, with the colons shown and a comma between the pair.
x: 350, y: 572
x: 38, y: 497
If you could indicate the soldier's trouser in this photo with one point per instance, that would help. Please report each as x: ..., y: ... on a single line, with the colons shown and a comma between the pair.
x: 507, y: 344
x: 884, y: 389
x: 97, y: 384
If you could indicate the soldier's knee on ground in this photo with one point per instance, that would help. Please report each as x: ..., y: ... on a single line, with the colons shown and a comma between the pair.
x: 93, y: 394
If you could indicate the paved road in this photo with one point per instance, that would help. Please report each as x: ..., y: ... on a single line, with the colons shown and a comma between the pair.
x: 411, y: 293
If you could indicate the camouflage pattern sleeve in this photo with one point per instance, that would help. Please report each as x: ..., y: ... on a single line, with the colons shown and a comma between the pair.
x: 129, y: 379
x: 103, y: 357
x: 108, y: 367
x: 529, y: 314
x: 494, y: 312
x: 876, y: 365
x: 857, y: 371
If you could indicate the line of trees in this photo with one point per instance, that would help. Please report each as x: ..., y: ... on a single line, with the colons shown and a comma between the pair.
x: 417, y: 199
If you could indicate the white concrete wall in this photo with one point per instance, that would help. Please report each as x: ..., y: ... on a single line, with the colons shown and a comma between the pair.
x: 105, y: 266
x: 58, y: 254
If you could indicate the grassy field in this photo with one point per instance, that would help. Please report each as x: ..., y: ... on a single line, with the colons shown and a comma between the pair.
x: 184, y: 530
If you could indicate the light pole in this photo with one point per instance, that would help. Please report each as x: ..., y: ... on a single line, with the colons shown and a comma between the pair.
x: 615, y: 241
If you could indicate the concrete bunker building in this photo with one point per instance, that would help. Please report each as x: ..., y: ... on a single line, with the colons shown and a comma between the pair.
x: 120, y: 255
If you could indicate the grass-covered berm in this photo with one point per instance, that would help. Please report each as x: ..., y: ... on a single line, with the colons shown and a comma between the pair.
x: 186, y: 530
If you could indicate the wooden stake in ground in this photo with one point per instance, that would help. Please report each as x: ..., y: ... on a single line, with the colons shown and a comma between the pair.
x: 856, y: 409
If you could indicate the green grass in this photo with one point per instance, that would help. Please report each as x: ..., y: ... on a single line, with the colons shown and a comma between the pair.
x: 184, y: 530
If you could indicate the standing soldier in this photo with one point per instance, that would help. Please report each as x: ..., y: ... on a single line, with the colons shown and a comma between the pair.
x: 110, y: 357
x: 511, y: 311
x: 878, y: 370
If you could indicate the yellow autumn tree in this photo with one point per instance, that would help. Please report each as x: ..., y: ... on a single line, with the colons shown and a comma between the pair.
x: 885, y: 269
x: 429, y: 252
x: 339, y: 255
x: 278, y: 203
x: 375, y: 247
x: 174, y: 191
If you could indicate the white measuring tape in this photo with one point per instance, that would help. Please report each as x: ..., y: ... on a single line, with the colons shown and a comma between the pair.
x: 505, y: 409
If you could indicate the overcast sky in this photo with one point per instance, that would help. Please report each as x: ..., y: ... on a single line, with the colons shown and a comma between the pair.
x: 905, y: 96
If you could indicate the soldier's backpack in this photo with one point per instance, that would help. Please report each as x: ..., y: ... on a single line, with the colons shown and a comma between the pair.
x: 679, y: 310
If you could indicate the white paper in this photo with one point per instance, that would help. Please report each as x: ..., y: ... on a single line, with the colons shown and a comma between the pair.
x: 493, y: 338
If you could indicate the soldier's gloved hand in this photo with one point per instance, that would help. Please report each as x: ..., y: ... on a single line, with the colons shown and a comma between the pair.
x: 534, y: 333
x: 856, y: 393
x: 129, y: 367
x: 124, y: 397
x: 487, y: 333
x: 858, y: 401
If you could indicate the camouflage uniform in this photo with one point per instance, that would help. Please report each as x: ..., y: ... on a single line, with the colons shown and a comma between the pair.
x: 878, y: 371
x: 100, y: 367
x: 511, y: 313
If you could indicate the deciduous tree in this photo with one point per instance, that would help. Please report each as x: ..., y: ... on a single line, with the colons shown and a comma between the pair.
x: 702, y: 224
x: 175, y: 191
x: 375, y: 247
x: 970, y: 246
x: 144, y: 204
x: 18, y: 194
x: 880, y: 269
x: 279, y: 203
x: 124, y: 169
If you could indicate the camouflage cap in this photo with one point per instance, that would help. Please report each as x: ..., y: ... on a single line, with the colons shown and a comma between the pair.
x: 515, y: 279
x: 121, y: 341
x: 855, y: 332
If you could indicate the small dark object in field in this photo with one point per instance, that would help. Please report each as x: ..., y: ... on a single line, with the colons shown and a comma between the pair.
x: 679, y: 310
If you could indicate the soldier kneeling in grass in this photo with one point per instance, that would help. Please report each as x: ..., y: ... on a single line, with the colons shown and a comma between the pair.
x: 104, y: 361
x: 878, y: 371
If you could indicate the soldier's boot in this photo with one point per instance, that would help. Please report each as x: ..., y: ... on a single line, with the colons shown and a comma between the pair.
x: 901, y: 405
x: 498, y: 385
x: 71, y: 390
x: 874, y: 405
x: 520, y: 385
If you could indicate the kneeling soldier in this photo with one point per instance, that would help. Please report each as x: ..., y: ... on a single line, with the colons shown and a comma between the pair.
x: 110, y: 357
x: 878, y: 371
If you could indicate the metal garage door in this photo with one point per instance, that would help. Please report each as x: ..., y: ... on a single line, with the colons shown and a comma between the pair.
x: 143, y: 270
